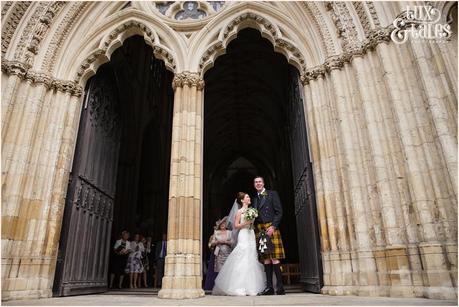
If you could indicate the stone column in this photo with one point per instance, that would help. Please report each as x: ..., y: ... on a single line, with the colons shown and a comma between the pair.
x: 426, y: 184
x: 37, y: 141
x: 355, y: 177
x: 183, y: 273
x: 392, y: 254
x: 330, y: 200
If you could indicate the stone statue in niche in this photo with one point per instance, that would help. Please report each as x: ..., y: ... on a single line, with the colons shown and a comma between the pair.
x: 190, y: 11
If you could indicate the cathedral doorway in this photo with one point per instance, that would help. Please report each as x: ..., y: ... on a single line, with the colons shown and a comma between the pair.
x: 254, y: 125
x: 120, y: 173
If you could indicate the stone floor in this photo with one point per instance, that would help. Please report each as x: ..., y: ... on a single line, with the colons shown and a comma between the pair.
x: 143, y: 297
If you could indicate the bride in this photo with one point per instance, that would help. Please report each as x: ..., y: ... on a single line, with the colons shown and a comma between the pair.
x: 241, y: 274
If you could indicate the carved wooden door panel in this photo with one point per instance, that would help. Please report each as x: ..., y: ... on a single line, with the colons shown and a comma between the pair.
x: 82, y: 264
x: 305, y: 205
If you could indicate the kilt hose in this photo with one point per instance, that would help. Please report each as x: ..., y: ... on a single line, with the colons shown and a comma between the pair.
x: 275, y: 238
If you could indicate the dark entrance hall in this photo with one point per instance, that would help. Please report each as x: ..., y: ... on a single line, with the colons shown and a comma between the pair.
x: 254, y: 125
x: 120, y: 174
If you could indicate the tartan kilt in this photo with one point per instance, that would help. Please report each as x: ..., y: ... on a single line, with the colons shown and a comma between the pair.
x: 275, y: 238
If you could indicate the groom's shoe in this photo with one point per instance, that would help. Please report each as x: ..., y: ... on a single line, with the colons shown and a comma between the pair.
x: 267, y: 291
x: 280, y: 291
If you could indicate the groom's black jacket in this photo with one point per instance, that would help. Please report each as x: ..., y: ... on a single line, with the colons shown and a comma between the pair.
x: 269, y: 208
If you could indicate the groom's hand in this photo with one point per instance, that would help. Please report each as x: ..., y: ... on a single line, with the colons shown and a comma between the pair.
x: 270, y: 230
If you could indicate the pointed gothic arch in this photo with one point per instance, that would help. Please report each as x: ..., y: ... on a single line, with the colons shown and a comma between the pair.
x: 110, y: 42
x: 272, y: 25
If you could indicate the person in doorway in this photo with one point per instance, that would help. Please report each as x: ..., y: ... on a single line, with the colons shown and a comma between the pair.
x: 160, y: 256
x: 241, y: 274
x: 119, y: 260
x: 134, y: 265
x: 269, y: 208
x: 145, y: 262
x: 222, y: 241
x: 149, y: 249
x: 210, y: 274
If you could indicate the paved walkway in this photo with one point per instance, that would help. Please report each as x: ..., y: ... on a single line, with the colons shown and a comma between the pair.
x: 149, y: 298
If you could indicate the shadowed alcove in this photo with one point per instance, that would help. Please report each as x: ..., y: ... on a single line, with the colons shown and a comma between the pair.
x: 246, y: 124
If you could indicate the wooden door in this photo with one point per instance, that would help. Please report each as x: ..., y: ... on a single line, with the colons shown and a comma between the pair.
x: 82, y: 263
x: 303, y: 183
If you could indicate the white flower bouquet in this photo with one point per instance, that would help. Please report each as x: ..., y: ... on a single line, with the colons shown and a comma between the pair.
x: 250, y: 214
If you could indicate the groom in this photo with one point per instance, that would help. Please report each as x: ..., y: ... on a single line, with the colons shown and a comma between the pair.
x: 269, y: 216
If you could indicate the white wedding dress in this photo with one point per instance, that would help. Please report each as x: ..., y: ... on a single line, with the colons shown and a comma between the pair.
x: 241, y: 273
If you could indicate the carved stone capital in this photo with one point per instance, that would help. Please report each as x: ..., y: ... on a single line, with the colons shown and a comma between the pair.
x: 15, y: 68
x: 39, y: 78
x: 375, y: 37
x: 336, y: 62
x: 66, y: 86
x: 189, y: 79
x: 313, y: 73
x: 22, y: 70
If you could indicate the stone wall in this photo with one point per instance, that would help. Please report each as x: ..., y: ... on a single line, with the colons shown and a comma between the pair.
x: 382, y: 121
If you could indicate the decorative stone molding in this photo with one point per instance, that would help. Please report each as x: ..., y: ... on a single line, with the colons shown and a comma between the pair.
x: 43, y: 25
x: 250, y: 16
x: 39, y: 78
x: 6, y: 7
x: 367, y: 15
x: 149, y: 35
x: 282, y: 44
x: 188, y: 78
x: 11, y: 23
x: 344, y: 23
x: 66, y: 86
x: 314, y: 12
x: 374, y: 15
x: 15, y: 68
x: 36, y: 30
x: 77, y: 9
x: 28, y: 30
x: 375, y: 37
x: 359, y: 7
x: 21, y: 70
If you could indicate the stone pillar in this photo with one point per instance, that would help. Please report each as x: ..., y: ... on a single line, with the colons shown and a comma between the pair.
x: 335, y: 243
x: 39, y: 133
x: 355, y: 177
x: 183, y: 271
x: 427, y: 182
x: 392, y: 255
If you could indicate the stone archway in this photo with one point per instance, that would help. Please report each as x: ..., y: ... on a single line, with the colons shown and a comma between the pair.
x: 113, y: 185
x: 254, y: 107
x: 183, y: 274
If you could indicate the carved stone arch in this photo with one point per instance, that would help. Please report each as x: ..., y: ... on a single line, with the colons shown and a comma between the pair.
x: 345, y: 24
x: 37, y: 28
x: 12, y: 13
x: 66, y: 25
x: 317, y: 15
x: 114, y: 39
x: 367, y: 16
x: 358, y: 20
x: 267, y: 28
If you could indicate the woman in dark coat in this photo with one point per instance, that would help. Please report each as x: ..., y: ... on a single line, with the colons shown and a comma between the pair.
x: 120, y: 253
x: 211, y: 274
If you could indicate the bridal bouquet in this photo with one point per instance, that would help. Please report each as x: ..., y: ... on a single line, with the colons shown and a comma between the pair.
x: 250, y: 214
